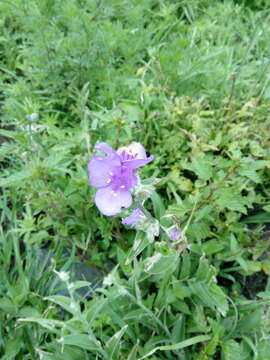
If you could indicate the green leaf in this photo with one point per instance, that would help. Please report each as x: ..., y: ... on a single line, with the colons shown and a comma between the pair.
x: 8, y: 306
x: 8, y: 133
x: 183, y: 183
x: 203, y: 213
x: 183, y: 344
x: 231, y: 350
x: 249, y: 168
x: 185, y: 266
x: 66, y: 303
x: 210, y: 295
x: 159, y: 208
x: 158, y: 264
x: 266, y: 208
x: 200, y: 230
x: 203, y: 168
x: 261, y: 218
x: 205, y: 271
x: 231, y: 199
x: 134, y: 351
x: 12, y: 348
x: 121, y: 259
x: 250, y: 323
x: 212, y: 247
x: 113, y: 344
x: 49, y: 324
x: 16, y: 178
x: 83, y: 341
x: 140, y: 243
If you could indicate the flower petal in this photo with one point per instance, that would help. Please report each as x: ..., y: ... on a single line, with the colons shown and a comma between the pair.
x: 132, y: 151
x: 175, y: 234
x: 101, y: 169
x: 138, y: 149
x: 136, y: 217
x: 102, y: 146
x: 134, y: 164
x: 110, y: 202
x: 128, y: 178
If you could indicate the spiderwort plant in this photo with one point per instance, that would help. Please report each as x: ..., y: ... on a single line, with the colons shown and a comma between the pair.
x: 115, y: 175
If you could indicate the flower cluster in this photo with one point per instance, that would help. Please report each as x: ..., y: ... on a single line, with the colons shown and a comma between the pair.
x: 115, y: 174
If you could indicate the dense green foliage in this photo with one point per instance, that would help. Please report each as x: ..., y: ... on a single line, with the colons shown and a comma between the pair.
x: 189, y: 80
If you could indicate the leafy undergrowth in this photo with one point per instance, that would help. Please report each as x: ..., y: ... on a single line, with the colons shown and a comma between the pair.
x: 190, y: 81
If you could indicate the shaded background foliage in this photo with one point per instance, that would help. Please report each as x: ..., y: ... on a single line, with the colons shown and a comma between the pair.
x: 189, y: 80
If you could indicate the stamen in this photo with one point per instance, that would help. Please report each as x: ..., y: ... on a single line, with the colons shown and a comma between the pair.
x: 109, y: 180
x: 122, y: 186
x: 113, y: 193
x: 132, y: 151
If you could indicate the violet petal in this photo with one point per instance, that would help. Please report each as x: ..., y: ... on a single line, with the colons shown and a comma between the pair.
x: 110, y: 202
x: 102, y: 146
x: 134, y: 218
x: 101, y: 170
x: 132, y: 151
x: 134, y: 164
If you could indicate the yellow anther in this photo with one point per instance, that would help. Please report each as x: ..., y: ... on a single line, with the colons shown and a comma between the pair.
x: 122, y: 186
x: 109, y: 180
x: 113, y: 193
x: 131, y: 150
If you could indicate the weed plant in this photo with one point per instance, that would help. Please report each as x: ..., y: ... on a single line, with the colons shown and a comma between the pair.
x: 190, y: 81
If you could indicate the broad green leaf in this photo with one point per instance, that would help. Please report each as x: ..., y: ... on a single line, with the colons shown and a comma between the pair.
x: 203, y: 168
x: 249, y: 168
x: 212, y: 247
x: 203, y: 213
x: 158, y: 264
x: 250, y: 322
x: 183, y: 183
x: 179, y: 289
x: 231, y: 350
x: 12, y: 347
x: 231, y: 199
x: 200, y: 230
x: 210, y: 295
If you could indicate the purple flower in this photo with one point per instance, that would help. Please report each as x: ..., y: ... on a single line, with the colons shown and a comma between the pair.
x: 135, y: 218
x: 175, y: 234
x: 115, y: 174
